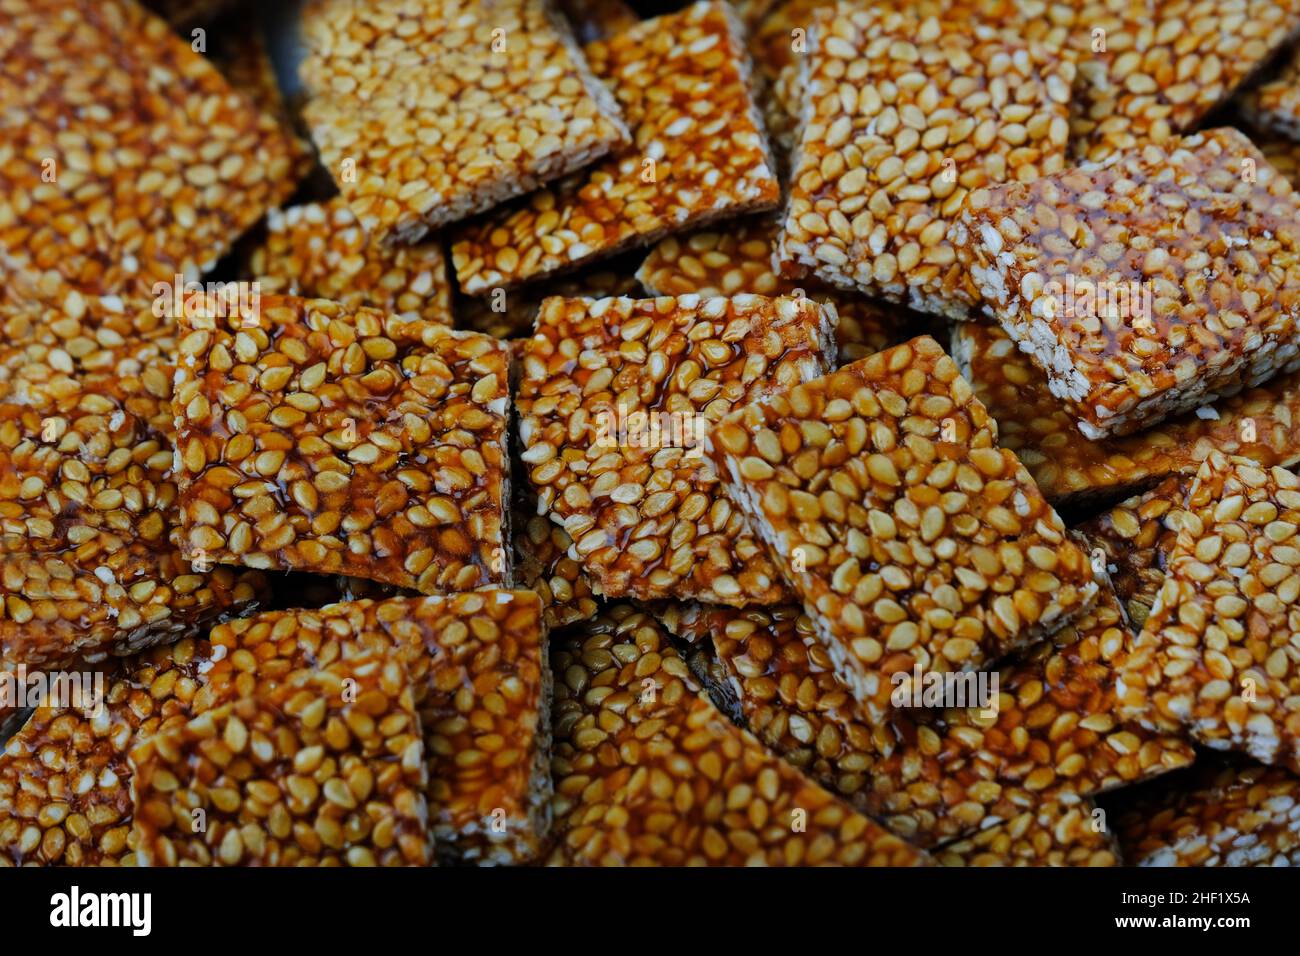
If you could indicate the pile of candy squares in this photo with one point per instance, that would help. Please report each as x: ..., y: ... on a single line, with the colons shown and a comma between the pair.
x: 516, y: 432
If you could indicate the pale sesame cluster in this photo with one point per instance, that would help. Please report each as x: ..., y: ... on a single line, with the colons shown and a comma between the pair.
x: 547, y: 432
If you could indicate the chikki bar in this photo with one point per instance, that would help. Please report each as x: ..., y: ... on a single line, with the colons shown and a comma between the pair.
x: 1150, y: 70
x: 65, y: 797
x: 325, y: 768
x: 477, y: 665
x: 425, y: 113
x: 1147, y: 285
x: 543, y: 564
x: 904, y: 118
x: 911, y: 538
x: 698, y: 154
x: 1262, y: 423
x: 509, y: 314
x: 1216, y: 657
x: 317, y: 438
x: 648, y: 771
x: 613, y: 403
x: 89, y: 561
x: 157, y: 166
x: 738, y: 259
x: 319, y: 250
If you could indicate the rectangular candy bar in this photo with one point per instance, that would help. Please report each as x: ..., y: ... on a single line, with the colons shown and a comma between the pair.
x: 1215, y: 658
x: 158, y: 177
x: 648, y: 772
x: 318, y: 438
x: 1262, y: 423
x: 89, y: 561
x: 911, y: 538
x: 698, y: 154
x: 615, y: 398
x: 739, y: 259
x: 1147, y: 285
x: 481, y: 687
x: 903, y: 118
x: 65, y: 783
x: 427, y: 112
x: 1150, y: 70
x: 325, y: 768
x: 319, y: 250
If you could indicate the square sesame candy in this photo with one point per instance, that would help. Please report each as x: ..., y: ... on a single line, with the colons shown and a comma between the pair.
x: 326, y: 768
x: 1147, y: 285
x: 1234, y: 815
x: 911, y: 538
x: 739, y: 259
x: 65, y: 796
x: 1150, y: 70
x: 90, y: 561
x: 319, y: 250
x: 614, y: 396
x: 933, y: 777
x: 648, y: 771
x: 481, y: 688
x: 1054, y: 834
x: 1262, y: 423
x: 903, y: 119
x: 425, y: 113
x: 157, y: 165
x: 317, y: 438
x: 698, y: 154
x: 1215, y: 658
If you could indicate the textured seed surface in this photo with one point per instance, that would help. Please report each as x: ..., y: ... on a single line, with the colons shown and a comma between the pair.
x: 1262, y: 423
x: 932, y: 777
x: 342, y: 441
x: 319, y: 250
x: 1233, y: 815
x: 321, y: 764
x: 698, y: 152
x: 646, y: 514
x: 1216, y: 658
x: 90, y: 557
x: 906, y: 531
x: 65, y: 797
x: 427, y: 112
x: 1165, y: 65
x: 1054, y: 834
x: 1192, y: 251
x: 647, y: 770
x: 903, y: 120
x: 157, y: 164
x: 739, y: 259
